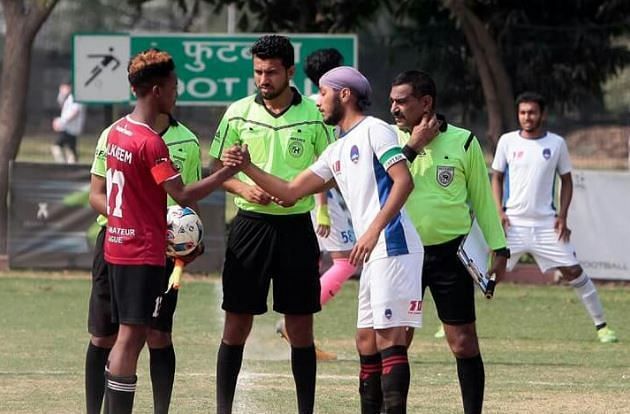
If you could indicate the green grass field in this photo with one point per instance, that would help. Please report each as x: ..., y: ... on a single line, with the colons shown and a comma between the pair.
x: 539, y: 347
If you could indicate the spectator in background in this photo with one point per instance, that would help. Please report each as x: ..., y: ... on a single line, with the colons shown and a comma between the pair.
x: 69, y: 125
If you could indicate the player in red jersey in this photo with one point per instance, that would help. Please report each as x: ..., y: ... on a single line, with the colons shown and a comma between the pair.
x: 139, y: 175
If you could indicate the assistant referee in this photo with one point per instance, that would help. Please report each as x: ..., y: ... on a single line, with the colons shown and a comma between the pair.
x: 284, y: 133
x: 450, y: 178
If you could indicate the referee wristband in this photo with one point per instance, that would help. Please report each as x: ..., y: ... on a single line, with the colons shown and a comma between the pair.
x: 409, y: 153
x: 504, y: 251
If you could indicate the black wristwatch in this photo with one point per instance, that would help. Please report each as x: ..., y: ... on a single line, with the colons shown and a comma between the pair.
x: 503, y: 251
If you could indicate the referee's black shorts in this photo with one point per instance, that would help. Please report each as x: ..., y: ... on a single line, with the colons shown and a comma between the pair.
x: 262, y: 247
x: 451, y: 286
x: 100, y: 307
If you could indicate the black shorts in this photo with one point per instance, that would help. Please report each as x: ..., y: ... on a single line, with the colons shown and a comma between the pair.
x: 451, y: 286
x: 100, y: 308
x: 262, y: 247
x: 67, y: 140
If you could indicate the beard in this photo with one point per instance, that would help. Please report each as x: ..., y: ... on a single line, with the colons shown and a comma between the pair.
x: 534, y: 126
x: 337, y: 113
x: 274, y: 93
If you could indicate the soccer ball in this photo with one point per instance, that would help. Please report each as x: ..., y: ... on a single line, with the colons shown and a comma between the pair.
x: 184, y: 230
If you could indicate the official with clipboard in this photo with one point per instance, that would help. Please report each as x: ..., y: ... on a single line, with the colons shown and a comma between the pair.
x: 450, y: 178
x: 474, y: 254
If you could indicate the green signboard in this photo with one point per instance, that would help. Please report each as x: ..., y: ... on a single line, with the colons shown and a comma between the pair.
x: 213, y: 69
x: 217, y: 69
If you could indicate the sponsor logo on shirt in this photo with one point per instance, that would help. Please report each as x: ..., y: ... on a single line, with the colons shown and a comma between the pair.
x: 123, y: 130
x: 546, y: 153
x: 445, y: 175
x: 100, y: 154
x: 354, y: 154
x: 517, y: 155
x: 337, y: 167
x: 415, y: 307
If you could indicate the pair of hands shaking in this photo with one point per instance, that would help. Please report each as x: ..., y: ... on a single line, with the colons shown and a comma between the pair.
x: 236, y: 157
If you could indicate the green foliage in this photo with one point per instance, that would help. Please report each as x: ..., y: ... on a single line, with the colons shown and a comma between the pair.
x: 566, y: 50
x: 334, y: 16
x: 442, y: 51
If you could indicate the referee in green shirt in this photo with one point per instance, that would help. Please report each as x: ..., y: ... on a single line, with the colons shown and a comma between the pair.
x: 450, y: 178
x: 185, y: 153
x: 284, y: 133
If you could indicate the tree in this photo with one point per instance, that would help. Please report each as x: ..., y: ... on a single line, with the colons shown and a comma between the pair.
x: 319, y: 16
x: 564, y: 50
x: 495, y: 82
x: 23, y: 20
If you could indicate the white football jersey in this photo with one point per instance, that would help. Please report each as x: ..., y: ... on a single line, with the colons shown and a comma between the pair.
x: 359, y: 162
x: 530, y: 166
x: 341, y: 237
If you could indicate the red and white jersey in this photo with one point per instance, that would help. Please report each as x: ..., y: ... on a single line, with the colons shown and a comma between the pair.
x: 137, y: 164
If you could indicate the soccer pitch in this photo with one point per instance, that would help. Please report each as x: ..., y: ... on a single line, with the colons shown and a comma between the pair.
x: 540, y: 350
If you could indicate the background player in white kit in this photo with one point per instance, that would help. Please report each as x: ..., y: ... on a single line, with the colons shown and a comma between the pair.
x: 531, y: 157
x: 331, y: 218
x: 372, y: 175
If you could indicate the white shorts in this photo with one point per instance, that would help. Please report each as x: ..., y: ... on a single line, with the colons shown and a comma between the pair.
x: 390, y: 292
x: 543, y: 244
x: 341, y: 237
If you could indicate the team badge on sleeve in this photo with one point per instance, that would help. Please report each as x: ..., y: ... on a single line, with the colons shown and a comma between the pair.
x: 445, y: 175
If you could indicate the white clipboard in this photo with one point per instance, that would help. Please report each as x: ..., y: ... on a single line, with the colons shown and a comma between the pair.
x: 474, y: 254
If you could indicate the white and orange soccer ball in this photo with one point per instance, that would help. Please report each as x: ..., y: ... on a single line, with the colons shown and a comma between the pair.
x: 184, y: 230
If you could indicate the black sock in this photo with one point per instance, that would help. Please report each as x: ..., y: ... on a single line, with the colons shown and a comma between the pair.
x: 229, y: 362
x: 600, y: 326
x: 95, y: 360
x: 370, y: 384
x: 304, y: 367
x: 395, y: 378
x: 472, y: 379
x: 119, y: 393
x: 162, y: 362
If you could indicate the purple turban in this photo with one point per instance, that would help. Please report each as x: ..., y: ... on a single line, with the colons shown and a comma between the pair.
x: 347, y: 77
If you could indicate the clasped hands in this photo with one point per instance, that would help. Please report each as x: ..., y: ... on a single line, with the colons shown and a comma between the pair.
x: 239, y: 158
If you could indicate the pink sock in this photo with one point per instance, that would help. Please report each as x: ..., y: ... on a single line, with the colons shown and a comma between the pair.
x: 331, y: 281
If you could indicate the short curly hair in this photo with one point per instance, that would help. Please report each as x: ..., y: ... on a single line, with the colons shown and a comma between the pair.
x: 147, y: 68
x: 274, y: 47
x: 320, y: 62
